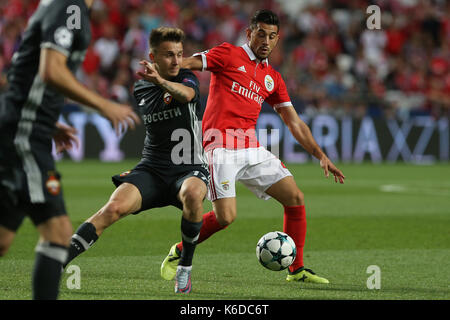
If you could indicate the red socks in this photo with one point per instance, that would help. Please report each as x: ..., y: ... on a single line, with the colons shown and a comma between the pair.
x: 294, y: 224
x: 209, y: 227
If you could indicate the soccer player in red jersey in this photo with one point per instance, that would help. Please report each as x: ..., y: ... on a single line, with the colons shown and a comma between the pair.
x: 241, y: 80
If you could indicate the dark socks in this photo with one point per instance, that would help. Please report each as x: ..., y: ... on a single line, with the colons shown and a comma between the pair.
x: 83, y: 239
x: 47, y: 270
x: 190, y: 232
x: 209, y: 227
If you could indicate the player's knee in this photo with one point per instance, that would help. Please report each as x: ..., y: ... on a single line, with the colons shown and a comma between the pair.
x: 226, y: 218
x: 112, y: 212
x: 296, y: 198
x: 192, y: 198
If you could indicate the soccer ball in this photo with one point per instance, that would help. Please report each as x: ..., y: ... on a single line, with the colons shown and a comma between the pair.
x: 276, y: 250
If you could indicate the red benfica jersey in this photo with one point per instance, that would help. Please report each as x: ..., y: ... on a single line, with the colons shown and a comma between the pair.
x: 240, y: 83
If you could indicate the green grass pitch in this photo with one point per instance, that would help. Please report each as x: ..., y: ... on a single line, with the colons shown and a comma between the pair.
x: 393, y: 216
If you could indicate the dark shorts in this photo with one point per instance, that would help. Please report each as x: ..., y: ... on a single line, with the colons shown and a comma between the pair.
x: 159, y: 187
x: 29, y: 186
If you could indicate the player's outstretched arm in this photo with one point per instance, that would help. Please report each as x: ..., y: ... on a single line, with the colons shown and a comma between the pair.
x: 193, y: 63
x: 303, y: 135
x: 53, y: 71
x: 179, y: 92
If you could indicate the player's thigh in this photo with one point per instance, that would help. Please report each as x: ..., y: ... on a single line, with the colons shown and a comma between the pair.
x: 286, y: 192
x: 267, y: 172
x: 128, y: 197
x: 57, y: 230
x: 151, y: 190
x: 224, y: 166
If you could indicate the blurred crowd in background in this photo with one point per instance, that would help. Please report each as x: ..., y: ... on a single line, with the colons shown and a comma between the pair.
x: 331, y: 62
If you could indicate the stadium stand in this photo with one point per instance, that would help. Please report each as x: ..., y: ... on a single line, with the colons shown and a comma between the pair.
x: 332, y: 63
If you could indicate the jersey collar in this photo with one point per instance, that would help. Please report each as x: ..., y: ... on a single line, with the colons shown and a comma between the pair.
x: 252, y: 56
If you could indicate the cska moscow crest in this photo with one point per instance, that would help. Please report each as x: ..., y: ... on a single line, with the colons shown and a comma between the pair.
x: 167, y: 98
x: 53, y: 185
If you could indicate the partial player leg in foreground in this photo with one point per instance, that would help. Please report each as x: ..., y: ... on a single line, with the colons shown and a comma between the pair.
x: 138, y: 191
x: 54, y: 228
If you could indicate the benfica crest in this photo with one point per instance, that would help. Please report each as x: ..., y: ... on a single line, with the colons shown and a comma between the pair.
x: 225, y: 185
x: 268, y: 81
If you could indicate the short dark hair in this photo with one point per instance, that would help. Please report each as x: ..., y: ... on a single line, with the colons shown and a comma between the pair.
x: 264, y: 16
x: 161, y: 34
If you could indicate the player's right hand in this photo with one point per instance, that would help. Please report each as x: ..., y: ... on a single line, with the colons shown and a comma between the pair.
x: 121, y: 116
x: 328, y: 166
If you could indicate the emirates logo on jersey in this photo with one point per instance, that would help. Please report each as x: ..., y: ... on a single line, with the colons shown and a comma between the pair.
x: 167, y: 98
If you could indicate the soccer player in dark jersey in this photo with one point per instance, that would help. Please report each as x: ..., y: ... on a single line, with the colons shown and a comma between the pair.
x: 41, y: 74
x: 168, y: 98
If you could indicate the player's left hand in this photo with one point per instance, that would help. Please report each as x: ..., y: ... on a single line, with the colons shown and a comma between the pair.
x: 65, y: 137
x: 328, y: 167
x: 150, y: 73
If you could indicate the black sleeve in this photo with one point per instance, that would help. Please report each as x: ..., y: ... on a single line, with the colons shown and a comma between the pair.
x: 55, y: 32
x: 188, y: 78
